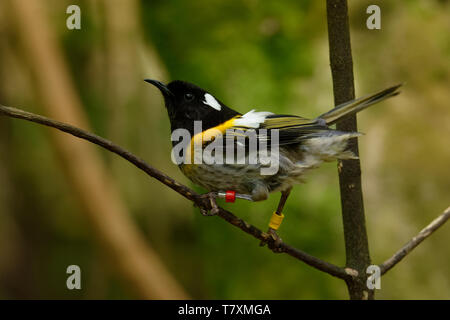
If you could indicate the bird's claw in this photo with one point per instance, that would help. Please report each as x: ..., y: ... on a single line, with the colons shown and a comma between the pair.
x: 212, y: 200
x: 273, y: 241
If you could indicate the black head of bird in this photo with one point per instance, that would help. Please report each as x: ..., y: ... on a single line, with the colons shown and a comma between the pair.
x: 186, y: 103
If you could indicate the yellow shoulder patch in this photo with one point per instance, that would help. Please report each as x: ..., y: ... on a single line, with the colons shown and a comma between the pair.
x: 208, y: 135
x: 211, y: 133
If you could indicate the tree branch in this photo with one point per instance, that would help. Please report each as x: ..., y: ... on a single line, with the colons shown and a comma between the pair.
x: 414, y: 242
x: 355, y: 235
x: 186, y: 192
x: 347, y: 274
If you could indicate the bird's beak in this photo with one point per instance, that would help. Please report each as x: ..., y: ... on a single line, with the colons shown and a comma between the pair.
x: 161, y: 86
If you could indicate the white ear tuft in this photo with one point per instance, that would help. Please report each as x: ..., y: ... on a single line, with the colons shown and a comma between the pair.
x: 212, y: 102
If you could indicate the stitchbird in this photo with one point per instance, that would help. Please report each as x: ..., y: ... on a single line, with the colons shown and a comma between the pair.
x: 302, y: 143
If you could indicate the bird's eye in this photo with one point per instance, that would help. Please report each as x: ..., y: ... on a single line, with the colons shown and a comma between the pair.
x: 188, y: 96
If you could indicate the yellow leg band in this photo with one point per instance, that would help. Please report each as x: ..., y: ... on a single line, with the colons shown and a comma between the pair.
x: 276, y: 220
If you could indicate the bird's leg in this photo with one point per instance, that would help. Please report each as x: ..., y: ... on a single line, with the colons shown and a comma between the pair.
x: 276, y: 219
x: 212, y: 199
x: 229, y: 196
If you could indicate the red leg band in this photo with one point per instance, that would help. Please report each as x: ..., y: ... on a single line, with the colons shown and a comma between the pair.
x: 230, y: 196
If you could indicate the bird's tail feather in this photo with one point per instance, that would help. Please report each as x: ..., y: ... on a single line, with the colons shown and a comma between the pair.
x: 354, y: 106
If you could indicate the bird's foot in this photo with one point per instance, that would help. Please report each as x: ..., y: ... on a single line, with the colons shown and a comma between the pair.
x: 211, y: 196
x: 273, y: 241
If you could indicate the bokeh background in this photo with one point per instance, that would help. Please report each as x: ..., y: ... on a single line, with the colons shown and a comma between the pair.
x: 57, y: 210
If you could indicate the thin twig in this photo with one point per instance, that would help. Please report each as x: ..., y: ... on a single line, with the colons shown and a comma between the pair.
x: 186, y: 192
x: 414, y: 242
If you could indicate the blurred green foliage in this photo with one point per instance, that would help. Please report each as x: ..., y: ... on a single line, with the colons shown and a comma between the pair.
x: 251, y: 54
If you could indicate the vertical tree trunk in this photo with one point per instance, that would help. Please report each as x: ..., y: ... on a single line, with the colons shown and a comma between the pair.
x: 356, y: 243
